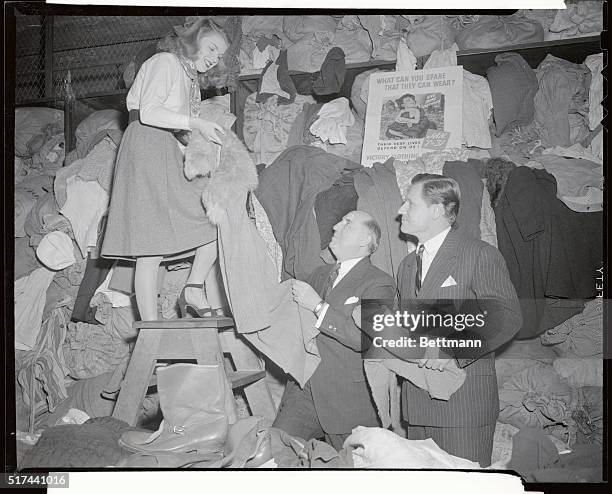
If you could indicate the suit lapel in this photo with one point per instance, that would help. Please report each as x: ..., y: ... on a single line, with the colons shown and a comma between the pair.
x: 353, y: 275
x: 440, y: 268
x: 409, y: 274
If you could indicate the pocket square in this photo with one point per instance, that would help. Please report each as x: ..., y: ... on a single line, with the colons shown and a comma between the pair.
x: 450, y: 281
x: 351, y: 300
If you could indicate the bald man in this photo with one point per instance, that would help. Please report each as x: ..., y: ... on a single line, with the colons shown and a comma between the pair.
x: 337, y: 398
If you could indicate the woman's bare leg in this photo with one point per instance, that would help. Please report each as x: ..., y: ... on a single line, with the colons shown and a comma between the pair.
x: 205, y: 257
x: 145, y: 284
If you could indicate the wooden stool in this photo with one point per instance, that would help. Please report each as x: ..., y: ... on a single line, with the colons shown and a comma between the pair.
x: 203, y: 340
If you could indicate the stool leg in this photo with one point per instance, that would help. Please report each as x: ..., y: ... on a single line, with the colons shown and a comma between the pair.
x: 258, y: 395
x: 137, y: 377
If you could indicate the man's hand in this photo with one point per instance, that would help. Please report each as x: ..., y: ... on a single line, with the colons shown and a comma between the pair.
x: 432, y: 361
x: 305, y: 295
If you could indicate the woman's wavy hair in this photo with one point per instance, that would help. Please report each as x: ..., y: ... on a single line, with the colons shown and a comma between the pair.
x: 186, y: 44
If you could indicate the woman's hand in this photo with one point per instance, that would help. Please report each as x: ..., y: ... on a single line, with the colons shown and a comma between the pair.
x: 209, y: 130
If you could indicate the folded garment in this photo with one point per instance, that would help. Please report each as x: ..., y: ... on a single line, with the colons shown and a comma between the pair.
x: 513, y: 87
x: 382, y: 379
x: 29, y: 305
x: 333, y: 119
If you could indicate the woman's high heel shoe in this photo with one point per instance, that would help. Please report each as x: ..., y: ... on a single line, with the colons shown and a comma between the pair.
x: 184, y: 305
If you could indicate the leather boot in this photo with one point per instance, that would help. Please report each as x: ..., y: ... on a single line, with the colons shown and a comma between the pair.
x: 193, y: 403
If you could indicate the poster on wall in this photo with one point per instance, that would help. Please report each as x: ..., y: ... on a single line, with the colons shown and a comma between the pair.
x: 412, y: 113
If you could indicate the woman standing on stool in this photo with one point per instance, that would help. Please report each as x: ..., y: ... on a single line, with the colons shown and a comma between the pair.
x: 155, y: 212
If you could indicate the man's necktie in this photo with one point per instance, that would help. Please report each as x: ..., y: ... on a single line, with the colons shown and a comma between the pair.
x: 419, y: 271
x: 329, y: 284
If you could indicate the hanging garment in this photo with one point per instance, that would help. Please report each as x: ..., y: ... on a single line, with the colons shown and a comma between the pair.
x: 405, y: 58
x: 467, y: 176
x: 96, y: 271
x: 442, y: 57
x: 30, y: 298
x: 488, y: 231
x: 116, y: 298
x: 427, y: 163
x: 563, y: 89
x: 275, y: 79
x: 263, y: 310
x: 379, y: 196
x: 265, y: 230
x: 595, y: 65
x: 287, y: 191
x: 332, y: 204
x: 476, y: 110
x: 42, y: 372
x: 552, y: 252
x: 513, y: 87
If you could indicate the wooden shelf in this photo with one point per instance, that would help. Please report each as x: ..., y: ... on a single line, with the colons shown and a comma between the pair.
x: 186, y: 323
x: 475, y: 61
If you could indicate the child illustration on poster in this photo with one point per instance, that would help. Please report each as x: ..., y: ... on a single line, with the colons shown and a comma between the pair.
x: 410, y: 113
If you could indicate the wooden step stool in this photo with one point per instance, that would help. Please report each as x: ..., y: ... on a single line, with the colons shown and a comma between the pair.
x: 203, y: 340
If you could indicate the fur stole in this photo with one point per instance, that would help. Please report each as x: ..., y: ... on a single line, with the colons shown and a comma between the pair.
x: 229, y: 171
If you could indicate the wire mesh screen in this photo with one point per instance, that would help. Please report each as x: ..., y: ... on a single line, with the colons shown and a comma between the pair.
x: 30, y: 57
x: 94, y: 49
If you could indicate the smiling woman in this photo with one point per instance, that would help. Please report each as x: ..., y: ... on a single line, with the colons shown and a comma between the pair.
x: 155, y: 212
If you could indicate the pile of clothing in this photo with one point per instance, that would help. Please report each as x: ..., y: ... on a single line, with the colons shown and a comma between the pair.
x: 67, y: 332
x: 554, y: 109
x: 308, y: 39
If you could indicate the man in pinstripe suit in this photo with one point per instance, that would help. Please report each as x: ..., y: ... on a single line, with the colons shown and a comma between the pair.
x: 447, y: 266
x: 336, y: 399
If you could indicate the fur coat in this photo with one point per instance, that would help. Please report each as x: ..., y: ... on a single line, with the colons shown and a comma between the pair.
x: 229, y: 169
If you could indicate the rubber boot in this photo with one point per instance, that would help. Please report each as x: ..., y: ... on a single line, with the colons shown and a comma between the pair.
x: 193, y: 403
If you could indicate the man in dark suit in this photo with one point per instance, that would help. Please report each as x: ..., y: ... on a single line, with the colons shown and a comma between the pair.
x: 336, y: 398
x: 448, y: 267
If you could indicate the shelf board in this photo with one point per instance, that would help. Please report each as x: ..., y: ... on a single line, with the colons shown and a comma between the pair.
x: 560, y: 45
